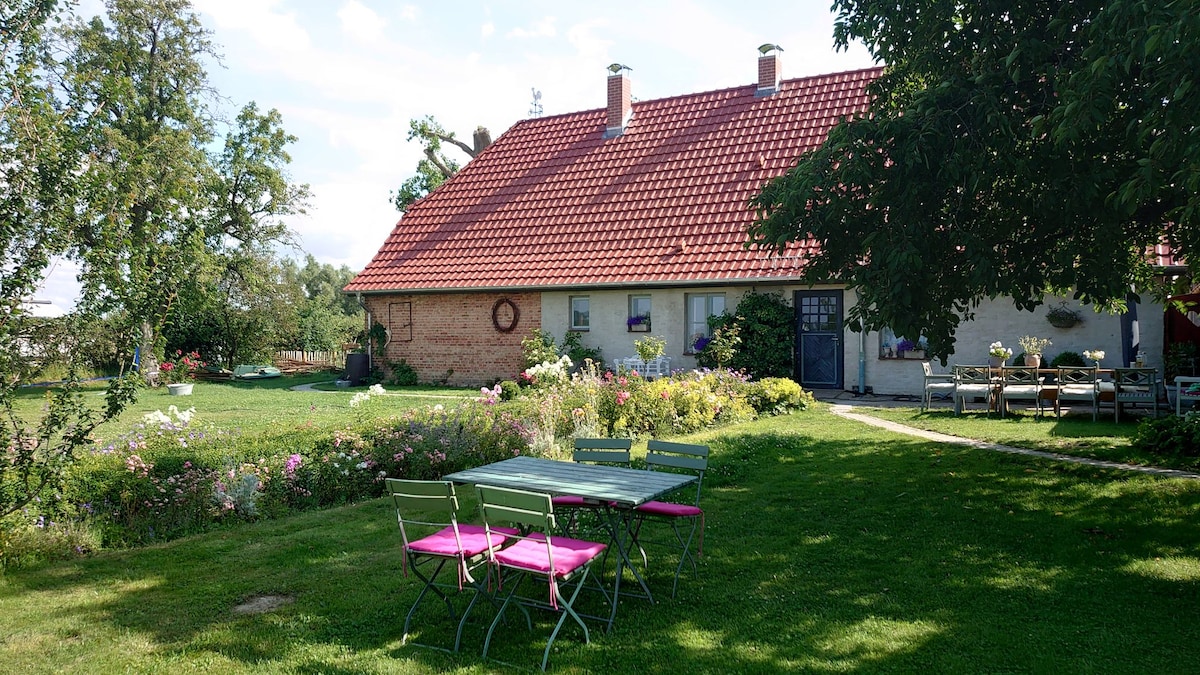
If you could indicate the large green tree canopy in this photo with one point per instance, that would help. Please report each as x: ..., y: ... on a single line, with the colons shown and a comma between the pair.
x: 1012, y: 147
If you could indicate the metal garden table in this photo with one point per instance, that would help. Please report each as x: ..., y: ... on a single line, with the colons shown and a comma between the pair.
x: 616, y: 490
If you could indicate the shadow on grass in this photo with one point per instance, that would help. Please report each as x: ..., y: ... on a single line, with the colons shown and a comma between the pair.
x: 829, y: 547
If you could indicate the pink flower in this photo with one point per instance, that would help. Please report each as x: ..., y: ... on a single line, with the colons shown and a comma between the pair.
x: 622, y: 396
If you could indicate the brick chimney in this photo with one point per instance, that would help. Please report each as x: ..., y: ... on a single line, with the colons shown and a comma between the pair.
x: 769, y: 70
x: 620, y: 106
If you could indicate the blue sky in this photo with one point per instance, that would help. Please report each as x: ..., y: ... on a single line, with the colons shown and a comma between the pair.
x: 348, y: 75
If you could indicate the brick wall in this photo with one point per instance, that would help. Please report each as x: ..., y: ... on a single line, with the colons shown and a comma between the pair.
x: 454, y: 332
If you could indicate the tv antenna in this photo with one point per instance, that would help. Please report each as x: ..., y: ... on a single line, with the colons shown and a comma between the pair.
x: 535, y: 108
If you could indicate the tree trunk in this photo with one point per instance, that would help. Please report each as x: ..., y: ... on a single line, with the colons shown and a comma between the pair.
x: 148, y: 365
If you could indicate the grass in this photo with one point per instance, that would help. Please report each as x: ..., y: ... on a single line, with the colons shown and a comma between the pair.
x: 831, y: 546
x: 239, y: 405
x: 1072, y: 435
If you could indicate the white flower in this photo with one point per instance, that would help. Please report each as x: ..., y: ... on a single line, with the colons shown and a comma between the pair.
x: 1093, y: 354
x: 157, y: 418
x: 359, y: 398
x: 376, y: 389
x: 439, y: 407
x: 360, y: 465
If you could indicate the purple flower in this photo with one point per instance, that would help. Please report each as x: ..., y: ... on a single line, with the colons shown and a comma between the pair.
x: 701, y: 342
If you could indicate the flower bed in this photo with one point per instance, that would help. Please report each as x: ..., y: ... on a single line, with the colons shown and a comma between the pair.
x: 172, y: 475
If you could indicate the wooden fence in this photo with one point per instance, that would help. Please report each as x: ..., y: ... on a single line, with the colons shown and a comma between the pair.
x: 297, y: 360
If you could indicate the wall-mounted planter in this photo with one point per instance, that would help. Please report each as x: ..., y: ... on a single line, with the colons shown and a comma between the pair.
x: 1061, y: 317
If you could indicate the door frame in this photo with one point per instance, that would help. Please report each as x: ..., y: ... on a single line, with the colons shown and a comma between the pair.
x: 798, y: 349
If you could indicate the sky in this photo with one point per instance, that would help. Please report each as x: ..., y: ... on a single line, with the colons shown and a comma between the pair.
x: 348, y: 75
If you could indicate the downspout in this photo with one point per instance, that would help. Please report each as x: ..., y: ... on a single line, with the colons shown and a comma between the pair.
x: 862, y: 363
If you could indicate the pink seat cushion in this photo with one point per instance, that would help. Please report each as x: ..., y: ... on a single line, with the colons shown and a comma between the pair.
x: 473, y: 537
x: 530, y: 554
x: 669, y: 510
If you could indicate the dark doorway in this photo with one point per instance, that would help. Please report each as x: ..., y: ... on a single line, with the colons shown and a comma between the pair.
x: 819, y: 363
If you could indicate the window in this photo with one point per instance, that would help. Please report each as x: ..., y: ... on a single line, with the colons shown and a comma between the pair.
x: 892, y: 346
x: 580, y: 313
x: 700, y: 306
x: 639, y: 313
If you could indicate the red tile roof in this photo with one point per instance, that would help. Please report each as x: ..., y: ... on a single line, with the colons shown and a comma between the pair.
x: 554, y: 204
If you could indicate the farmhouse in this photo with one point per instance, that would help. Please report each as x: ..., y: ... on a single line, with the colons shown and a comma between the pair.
x: 579, y: 222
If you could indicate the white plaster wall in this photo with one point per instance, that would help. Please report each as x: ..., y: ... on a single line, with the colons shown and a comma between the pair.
x: 995, y: 320
x: 1001, y: 320
x: 610, y: 309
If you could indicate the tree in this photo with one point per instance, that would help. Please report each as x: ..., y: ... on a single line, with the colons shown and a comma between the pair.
x: 38, y: 185
x: 437, y: 167
x: 160, y: 211
x: 1011, y: 148
x: 138, y: 85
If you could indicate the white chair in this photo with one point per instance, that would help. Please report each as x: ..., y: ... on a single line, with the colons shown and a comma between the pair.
x: 935, y: 383
x: 1182, y: 385
x: 1020, y: 383
x: 1134, y: 385
x: 1078, y: 384
x: 972, y: 382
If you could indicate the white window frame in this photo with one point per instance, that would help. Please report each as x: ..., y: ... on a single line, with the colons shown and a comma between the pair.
x: 698, y: 325
x: 580, y: 304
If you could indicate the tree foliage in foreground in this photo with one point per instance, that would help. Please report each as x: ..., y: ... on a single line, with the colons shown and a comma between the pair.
x: 1012, y: 148
x: 38, y: 186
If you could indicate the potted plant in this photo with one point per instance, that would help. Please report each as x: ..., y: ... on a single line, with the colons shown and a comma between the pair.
x: 909, y: 349
x: 179, y: 372
x: 998, y: 354
x: 1034, y: 348
x: 1061, y: 317
x: 639, y: 323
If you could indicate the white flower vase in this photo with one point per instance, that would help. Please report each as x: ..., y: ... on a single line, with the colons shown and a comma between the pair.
x: 181, y: 388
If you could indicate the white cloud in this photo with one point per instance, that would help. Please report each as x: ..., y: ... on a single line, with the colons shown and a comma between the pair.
x: 410, y: 12
x: 542, y: 28
x: 361, y: 22
x: 487, y: 29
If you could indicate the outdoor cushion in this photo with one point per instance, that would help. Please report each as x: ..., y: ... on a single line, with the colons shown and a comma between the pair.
x: 1075, y: 390
x: 474, y: 540
x: 530, y: 554
x: 570, y: 500
x: 669, y: 509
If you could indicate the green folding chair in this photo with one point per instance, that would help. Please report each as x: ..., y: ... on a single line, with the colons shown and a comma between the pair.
x: 563, y: 562
x: 433, y: 505
x: 660, y: 456
x: 607, y: 451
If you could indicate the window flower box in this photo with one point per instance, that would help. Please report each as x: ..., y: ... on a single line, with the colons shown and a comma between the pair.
x: 639, y: 323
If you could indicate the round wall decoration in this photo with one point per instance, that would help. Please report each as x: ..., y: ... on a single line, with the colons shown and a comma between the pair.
x: 505, y: 315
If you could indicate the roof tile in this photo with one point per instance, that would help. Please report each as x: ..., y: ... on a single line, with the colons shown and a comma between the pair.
x: 552, y: 203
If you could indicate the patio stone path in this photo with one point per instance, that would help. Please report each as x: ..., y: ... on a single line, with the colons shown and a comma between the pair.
x: 847, y: 411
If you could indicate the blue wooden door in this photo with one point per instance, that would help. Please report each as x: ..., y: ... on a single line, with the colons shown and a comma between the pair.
x: 819, y: 362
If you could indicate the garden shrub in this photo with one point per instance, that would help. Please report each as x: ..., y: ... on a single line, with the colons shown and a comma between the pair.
x: 1170, y: 436
x: 402, y: 374
x: 1068, y: 360
x: 779, y: 396
x: 765, y: 325
x: 538, y: 348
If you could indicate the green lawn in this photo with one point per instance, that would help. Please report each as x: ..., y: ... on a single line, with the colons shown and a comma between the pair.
x: 831, y: 546
x: 240, y: 405
x: 1073, y: 434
